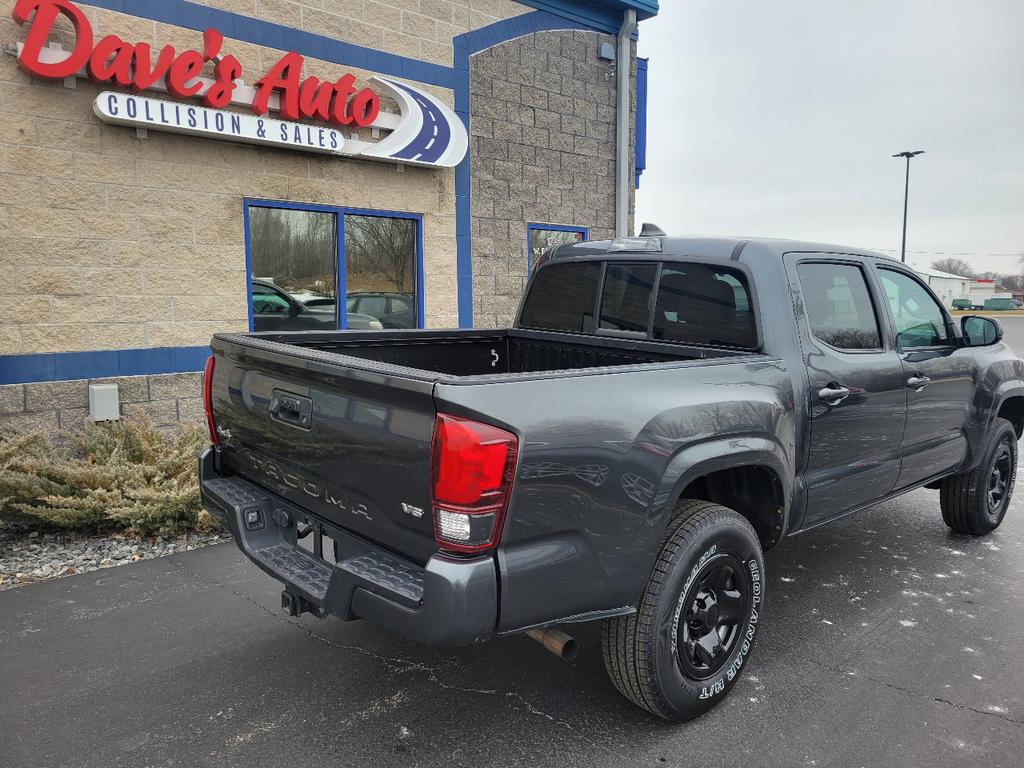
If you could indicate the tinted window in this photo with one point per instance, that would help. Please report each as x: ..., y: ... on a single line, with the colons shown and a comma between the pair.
x: 542, y: 239
x: 700, y: 304
x: 297, y: 251
x: 626, y: 298
x: 380, y: 255
x: 562, y: 297
x: 838, y: 306
x: 919, y: 319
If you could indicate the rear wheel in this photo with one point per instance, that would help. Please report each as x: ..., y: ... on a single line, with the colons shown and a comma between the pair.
x: 975, y: 502
x: 698, y: 617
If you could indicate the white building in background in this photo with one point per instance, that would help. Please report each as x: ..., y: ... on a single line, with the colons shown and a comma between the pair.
x: 981, y: 290
x: 947, y: 286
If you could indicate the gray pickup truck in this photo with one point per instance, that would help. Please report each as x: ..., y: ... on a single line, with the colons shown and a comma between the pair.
x: 664, y: 410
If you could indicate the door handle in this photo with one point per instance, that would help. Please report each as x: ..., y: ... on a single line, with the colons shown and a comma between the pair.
x: 833, y: 395
x: 917, y: 383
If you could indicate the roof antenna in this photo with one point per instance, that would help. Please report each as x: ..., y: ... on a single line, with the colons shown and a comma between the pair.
x: 651, y: 230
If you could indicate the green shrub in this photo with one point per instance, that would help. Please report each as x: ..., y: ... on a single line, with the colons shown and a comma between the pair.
x: 113, y: 475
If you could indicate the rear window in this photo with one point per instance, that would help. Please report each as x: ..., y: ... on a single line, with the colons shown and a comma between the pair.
x: 562, y: 298
x: 626, y: 298
x: 694, y: 303
x: 701, y: 304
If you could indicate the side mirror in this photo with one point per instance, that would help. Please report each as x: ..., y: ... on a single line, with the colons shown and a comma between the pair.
x: 981, y: 331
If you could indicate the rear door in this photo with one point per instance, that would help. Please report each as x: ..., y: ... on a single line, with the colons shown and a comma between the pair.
x: 939, y: 378
x: 857, y: 402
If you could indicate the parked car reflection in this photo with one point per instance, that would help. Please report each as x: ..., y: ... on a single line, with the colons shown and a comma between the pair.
x: 393, y: 309
x: 274, y: 309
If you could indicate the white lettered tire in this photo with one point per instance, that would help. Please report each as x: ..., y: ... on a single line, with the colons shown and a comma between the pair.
x: 698, y: 618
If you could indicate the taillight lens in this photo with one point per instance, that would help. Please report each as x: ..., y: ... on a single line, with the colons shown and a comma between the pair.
x: 208, y: 399
x: 473, y: 468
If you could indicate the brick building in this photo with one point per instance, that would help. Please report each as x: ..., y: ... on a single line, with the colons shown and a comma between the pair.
x: 409, y: 156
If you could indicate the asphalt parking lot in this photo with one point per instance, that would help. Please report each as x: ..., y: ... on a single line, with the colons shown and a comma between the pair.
x: 887, y: 640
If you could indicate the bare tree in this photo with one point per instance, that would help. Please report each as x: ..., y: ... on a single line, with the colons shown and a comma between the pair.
x: 1012, y: 283
x: 380, y: 249
x: 296, y: 249
x: 954, y: 266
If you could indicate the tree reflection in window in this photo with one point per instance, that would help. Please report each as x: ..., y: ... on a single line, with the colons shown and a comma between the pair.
x: 380, y: 268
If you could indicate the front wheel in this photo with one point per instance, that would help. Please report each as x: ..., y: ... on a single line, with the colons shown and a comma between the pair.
x: 975, y: 502
x: 683, y: 649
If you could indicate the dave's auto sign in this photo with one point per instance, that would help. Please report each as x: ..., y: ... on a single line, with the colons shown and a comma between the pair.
x: 314, y: 112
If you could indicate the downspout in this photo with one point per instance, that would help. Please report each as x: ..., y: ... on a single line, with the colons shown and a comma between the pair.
x: 623, y: 70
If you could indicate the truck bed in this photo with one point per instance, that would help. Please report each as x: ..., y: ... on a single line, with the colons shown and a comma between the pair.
x: 465, y: 353
x: 341, y: 422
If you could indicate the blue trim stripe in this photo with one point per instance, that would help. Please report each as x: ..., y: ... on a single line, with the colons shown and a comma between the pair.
x: 640, y: 149
x: 247, y: 236
x: 602, y: 15
x: 341, y: 274
x: 64, y: 366
x: 233, y: 25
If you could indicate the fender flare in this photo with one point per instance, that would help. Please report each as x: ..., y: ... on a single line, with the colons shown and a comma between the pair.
x: 732, y: 452
x: 1006, y: 390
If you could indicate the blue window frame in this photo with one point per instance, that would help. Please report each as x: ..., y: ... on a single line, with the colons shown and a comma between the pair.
x: 310, y: 301
x: 540, y: 237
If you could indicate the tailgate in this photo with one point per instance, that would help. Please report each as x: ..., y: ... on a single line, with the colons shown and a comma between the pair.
x: 346, y: 439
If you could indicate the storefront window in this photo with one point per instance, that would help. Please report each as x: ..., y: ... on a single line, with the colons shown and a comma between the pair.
x: 293, y: 259
x: 541, y: 237
x: 299, y: 258
x: 380, y: 259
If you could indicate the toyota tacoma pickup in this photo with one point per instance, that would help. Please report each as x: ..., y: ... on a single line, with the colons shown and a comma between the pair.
x: 663, y: 411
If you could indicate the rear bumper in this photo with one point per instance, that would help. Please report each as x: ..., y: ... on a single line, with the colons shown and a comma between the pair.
x: 448, y: 602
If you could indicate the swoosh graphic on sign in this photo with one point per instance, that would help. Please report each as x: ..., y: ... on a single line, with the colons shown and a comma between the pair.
x: 429, y: 133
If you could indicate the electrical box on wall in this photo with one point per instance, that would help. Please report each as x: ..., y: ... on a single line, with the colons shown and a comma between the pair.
x: 104, y: 402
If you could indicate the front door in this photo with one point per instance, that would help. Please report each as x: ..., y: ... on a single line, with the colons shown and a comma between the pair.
x: 939, y: 379
x: 857, y: 400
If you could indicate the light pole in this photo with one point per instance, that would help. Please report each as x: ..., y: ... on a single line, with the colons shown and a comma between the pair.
x: 906, y: 194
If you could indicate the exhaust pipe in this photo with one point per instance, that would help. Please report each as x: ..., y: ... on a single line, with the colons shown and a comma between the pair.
x: 555, y: 640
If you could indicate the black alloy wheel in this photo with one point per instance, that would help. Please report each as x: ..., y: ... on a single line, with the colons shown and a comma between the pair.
x: 999, y: 480
x: 709, y: 624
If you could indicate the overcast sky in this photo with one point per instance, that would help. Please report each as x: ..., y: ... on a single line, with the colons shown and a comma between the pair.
x: 780, y: 118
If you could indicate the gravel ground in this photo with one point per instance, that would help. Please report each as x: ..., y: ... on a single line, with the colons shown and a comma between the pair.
x: 27, y: 557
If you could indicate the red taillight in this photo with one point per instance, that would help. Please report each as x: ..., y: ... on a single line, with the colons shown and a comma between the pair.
x: 208, y: 399
x: 473, y: 468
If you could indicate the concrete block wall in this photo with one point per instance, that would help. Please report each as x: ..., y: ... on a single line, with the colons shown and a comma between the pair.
x: 420, y: 29
x: 55, y: 406
x: 542, y: 148
x: 111, y: 241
